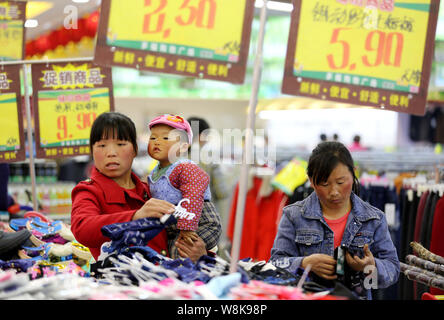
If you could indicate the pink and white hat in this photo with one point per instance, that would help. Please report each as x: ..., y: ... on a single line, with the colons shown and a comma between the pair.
x: 174, y: 121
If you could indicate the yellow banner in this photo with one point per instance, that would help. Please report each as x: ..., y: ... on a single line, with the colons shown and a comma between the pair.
x: 71, y: 77
x: 66, y: 116
x: 374, y: 43
x: 9, y: 124
x: 210, y: 29
x: 11, y: 39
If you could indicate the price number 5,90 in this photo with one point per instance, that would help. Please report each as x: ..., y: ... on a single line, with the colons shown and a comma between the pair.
x: 380, y: 48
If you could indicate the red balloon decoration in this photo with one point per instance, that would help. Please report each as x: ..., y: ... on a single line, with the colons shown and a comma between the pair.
x: 85, y: 27
x: 30, y: 49
x: 63, y: 36
x: 78, y: 33
x: 42, y: 43
x: 92, y: 22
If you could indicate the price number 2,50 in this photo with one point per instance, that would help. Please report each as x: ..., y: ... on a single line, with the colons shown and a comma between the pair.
x: 202, y: 15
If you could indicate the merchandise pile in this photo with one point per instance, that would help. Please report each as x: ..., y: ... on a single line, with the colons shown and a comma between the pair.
x: 425, y: 267
x: 41, y: 260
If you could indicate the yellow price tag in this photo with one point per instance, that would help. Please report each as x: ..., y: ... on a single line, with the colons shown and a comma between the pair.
x: 374, y: 43
x: 66, y: 116
x: 11, y: 40
x: 208, y: 29
x: 9, y: 124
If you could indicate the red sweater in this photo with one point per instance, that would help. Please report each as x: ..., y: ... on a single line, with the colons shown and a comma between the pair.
x: 100, y: 201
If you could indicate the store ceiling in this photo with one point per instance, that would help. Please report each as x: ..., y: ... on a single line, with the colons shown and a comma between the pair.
x: 50, y: 13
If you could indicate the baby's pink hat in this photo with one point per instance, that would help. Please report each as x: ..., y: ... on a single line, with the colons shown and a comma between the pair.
x: 174, y: 121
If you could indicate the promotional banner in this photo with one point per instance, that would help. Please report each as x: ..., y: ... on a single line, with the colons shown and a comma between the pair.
x: 206, y: 39
x: 12, y: 138
x: 12, y: 30
x: 68, y: 98
x: 375, y: 53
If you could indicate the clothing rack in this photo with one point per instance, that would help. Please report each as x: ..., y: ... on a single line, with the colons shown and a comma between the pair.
x: 417, y: 159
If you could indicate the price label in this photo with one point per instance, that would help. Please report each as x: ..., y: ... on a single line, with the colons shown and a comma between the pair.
x: 68, y: 115
x: 12, y: 140
x: 9, y: 123
x: 69, y: 98
x: 177, y: 36
x: 368, y: 52
x: 194, y: 28
x: 375, y: 46
x: 12, y: 31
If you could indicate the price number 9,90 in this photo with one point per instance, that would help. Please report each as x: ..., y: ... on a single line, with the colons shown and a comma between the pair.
x: 83, y: 122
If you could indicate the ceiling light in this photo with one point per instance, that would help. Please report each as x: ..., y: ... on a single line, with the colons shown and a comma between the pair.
x: 275, y: 5
x: 31, y: 23
x: 80, y: 1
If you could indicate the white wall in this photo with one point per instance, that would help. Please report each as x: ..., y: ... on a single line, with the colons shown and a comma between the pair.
x: 220, y: 114
x: 302, y: 128
x: 287, y: 128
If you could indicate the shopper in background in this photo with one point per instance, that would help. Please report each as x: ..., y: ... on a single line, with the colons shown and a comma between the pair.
x: 323, y: 137
x: 218, y: 184
x: 356, y: 145
x: 114, y: 193
x: 333, y: 216
x: 335, y: 137
x: 4, y: 179
x: 7, y: 202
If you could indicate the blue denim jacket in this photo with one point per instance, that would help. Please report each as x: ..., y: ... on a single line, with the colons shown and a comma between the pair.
x: 303, y: 231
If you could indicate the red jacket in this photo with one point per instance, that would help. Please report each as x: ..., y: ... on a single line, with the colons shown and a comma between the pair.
x: 100, y: 201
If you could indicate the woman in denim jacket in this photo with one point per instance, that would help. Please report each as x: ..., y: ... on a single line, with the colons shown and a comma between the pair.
x: 311, y: 230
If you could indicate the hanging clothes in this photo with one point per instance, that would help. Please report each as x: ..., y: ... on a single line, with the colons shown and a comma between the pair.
x: 437, y: 236
x: 261, y: 219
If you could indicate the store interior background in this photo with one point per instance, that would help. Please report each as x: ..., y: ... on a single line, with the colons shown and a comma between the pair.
x: 292, y: 124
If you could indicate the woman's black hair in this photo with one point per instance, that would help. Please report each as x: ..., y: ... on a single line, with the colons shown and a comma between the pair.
x: 113, y: 125
x: 324, y: 159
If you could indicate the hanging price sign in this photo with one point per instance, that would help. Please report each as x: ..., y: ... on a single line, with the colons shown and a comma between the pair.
x: 12, y: 30
x: 69, y: 97
x: 12, y: 138
x: 374, y: 53
x: 196, y: 38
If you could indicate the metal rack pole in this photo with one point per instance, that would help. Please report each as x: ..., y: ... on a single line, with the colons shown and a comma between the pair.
x: 248, y: 151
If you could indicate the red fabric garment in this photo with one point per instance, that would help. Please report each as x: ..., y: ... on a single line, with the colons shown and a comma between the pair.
x: 419, y: 215
x: 192, y: 181
x: 269, y: 210
x: 100, y: 201
x: 261, y: 219
x: 437, y: 237
x: 250, y: 223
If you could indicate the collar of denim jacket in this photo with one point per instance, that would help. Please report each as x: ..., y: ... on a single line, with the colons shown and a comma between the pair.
x: 363, y: 211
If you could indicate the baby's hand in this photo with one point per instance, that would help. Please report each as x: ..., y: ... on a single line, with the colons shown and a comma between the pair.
x: 188, y: 236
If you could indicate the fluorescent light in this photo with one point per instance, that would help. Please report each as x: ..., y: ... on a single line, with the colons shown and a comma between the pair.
x: 31, y: 23
x: 80, y: 1
x: 275, y: 5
